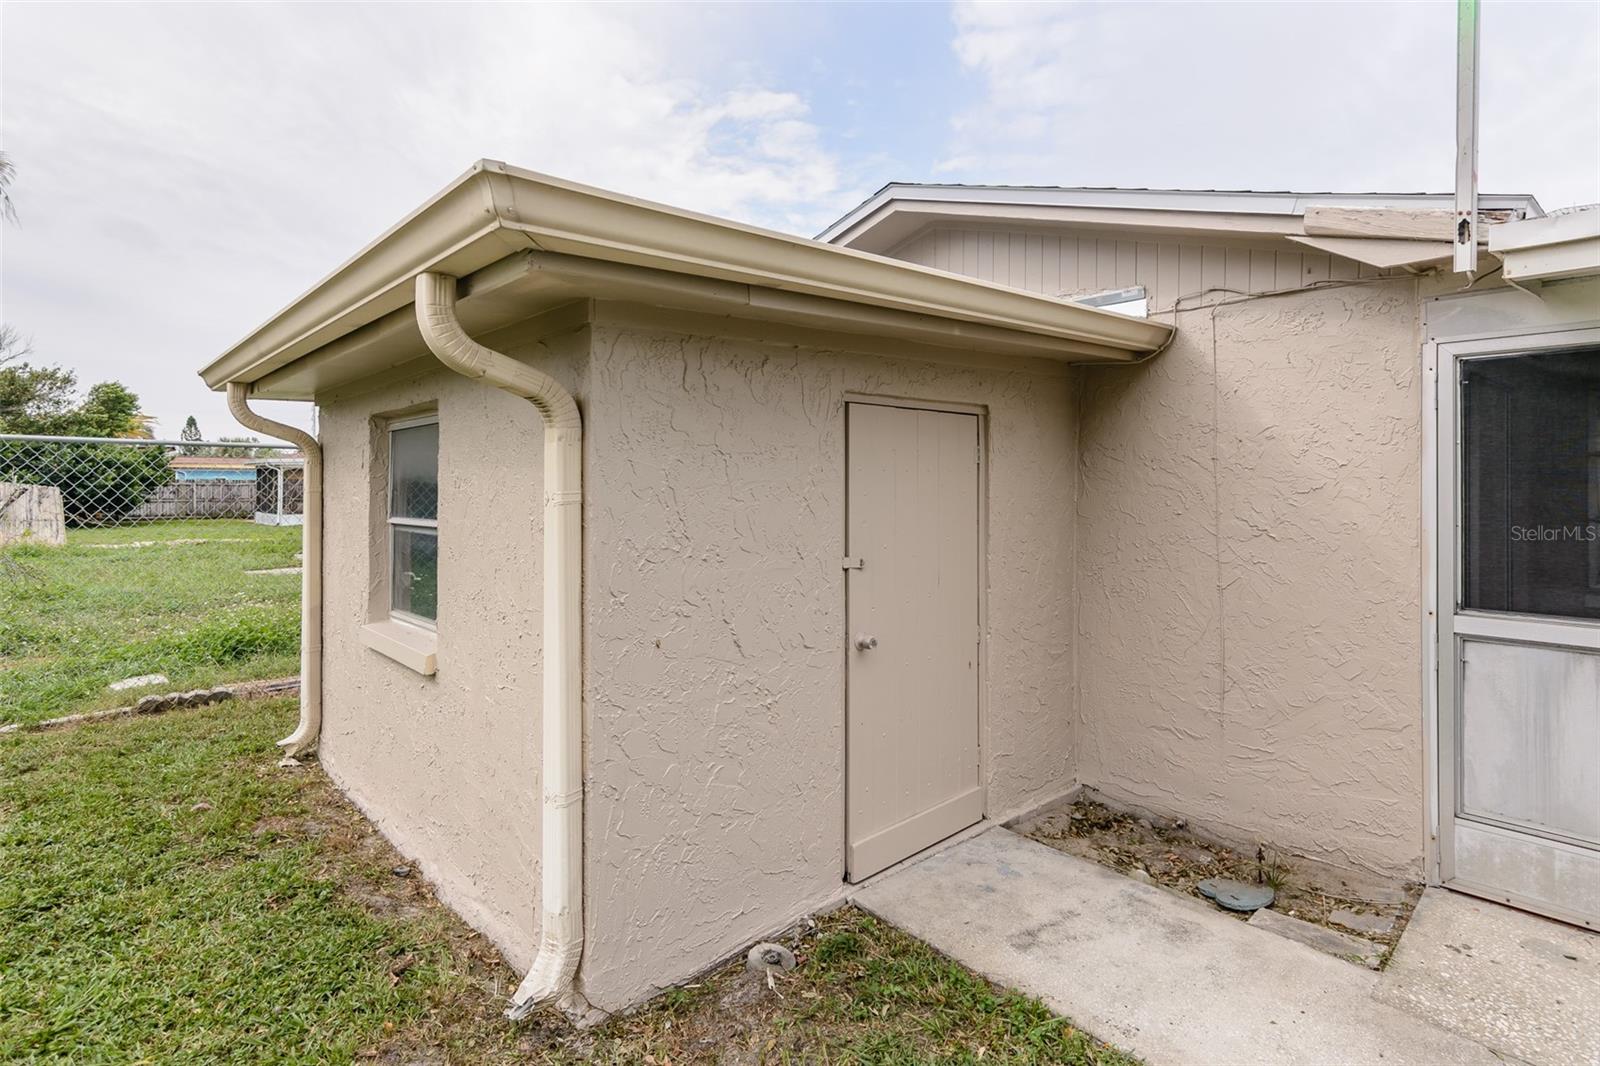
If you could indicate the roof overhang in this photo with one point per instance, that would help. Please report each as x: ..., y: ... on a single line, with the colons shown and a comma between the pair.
x: 898, y: 212
x: 551, y: 242
x: 1565, y: 244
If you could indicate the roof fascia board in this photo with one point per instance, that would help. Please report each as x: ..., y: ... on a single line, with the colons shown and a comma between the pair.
x: 495, y: 210
x: 901, y: 222
x: 1003, y: 201
x: 458, y: 231
x: 819, y: 270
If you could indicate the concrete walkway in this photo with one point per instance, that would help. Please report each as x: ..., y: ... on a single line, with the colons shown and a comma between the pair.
x: 1522, y: 985
x: 1164, y: 977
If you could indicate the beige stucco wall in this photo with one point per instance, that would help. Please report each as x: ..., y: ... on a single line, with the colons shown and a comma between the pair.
x: 715, y: 631
x: 1202, y: 596
x: 1250, y: 573
x: 446, y: 766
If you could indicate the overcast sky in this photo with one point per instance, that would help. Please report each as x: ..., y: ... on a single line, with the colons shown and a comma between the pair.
x: 186, y: 170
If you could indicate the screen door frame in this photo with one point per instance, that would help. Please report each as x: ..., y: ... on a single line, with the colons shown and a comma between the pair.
x: 1447, y: 624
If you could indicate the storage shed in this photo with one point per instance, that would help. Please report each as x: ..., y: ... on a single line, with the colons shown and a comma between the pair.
x: 280, y: 491
x: 665, y: 576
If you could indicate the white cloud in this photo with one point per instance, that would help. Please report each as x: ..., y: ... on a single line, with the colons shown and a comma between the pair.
x: 186, y: 170
x: 1302, y: 96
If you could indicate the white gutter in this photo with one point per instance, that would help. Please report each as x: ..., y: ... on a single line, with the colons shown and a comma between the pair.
x: 1565, y: 244
x: 304, y: 737
x: 494, y: 211
x: 561, y: 838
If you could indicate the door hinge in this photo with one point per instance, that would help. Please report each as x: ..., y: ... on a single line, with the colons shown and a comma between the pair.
x: 853, y: 562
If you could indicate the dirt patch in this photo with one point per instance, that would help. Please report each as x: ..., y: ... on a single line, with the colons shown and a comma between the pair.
x: 1168, y: 854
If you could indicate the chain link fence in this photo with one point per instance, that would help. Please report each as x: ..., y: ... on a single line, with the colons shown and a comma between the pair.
x: 130, y: 568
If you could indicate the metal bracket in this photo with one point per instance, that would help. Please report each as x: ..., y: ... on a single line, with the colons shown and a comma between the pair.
x: 854, y: 562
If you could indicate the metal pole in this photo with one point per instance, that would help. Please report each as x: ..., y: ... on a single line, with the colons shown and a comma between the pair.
x: 1466, y: 248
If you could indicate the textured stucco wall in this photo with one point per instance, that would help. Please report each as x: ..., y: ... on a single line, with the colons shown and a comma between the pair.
x: 1250, y: 571
x: 715, y: 631
x: 447, y: 766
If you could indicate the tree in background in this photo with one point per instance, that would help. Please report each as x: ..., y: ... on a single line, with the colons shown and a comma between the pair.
x: 13, y: 345
x: 99, y: 483
x: 191, y: 431
x: 44, y: 400
x: 8, y: 173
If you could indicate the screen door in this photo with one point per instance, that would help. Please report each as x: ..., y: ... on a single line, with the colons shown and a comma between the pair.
x: 1520, y: 641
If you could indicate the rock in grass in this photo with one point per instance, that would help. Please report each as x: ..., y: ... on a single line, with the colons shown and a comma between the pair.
x: 1237, y: 895
x: 142, y: 681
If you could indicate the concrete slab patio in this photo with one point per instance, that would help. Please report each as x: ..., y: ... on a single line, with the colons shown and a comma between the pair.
x: 1519, y: 983
x: 1159, y: 975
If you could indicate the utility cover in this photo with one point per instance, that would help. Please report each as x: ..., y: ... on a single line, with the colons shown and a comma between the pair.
x: 1236, y: 895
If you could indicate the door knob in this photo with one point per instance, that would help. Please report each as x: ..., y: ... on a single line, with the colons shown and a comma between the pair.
x: 865, y: 643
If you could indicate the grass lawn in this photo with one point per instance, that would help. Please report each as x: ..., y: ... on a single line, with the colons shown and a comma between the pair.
x: 168, y: 894
x: 167, y: 597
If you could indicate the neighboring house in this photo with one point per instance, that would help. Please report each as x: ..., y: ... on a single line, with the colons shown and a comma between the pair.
x: 753, y: 565
x: 212, y: 468
x: 270, y: 490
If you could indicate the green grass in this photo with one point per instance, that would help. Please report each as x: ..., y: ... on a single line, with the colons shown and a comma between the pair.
x: 109, y: 605
x: 168, y: 894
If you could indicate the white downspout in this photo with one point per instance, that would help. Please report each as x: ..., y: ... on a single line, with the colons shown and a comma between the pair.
x: 304, y: 737
x: 561, y: 859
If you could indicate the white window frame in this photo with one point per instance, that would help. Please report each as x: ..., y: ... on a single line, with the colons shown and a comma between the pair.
x: 429, y: 526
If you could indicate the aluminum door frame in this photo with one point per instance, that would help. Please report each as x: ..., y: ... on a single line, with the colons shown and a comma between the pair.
x: 916, y: 404
x: 1447, y: 626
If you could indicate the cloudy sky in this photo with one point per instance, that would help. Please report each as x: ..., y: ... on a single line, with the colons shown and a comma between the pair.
x: 187, y: 169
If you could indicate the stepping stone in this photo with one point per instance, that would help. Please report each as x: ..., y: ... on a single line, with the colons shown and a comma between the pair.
x: 1362, y: 923
x: 1237, y: 895
x: 1330, y: 941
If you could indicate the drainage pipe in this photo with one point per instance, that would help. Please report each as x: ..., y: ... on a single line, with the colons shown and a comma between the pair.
x: 304, y: 737
x: 561, y: 841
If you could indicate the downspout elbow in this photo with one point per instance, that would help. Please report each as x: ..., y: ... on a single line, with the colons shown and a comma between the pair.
x: 448, y: 341
x: 554, y: 970
x: 309, y: 728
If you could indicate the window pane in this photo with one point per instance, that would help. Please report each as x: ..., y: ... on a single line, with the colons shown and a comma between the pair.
x: 1530, y: 483
x: 414, y: 472
x: 415, y: 583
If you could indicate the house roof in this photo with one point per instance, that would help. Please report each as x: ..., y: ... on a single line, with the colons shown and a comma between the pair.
x: 211, y: 462
x: 898, y: 210
x: 551, y: 242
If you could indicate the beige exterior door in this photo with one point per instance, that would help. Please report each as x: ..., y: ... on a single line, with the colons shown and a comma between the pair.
x: 913, y: 632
